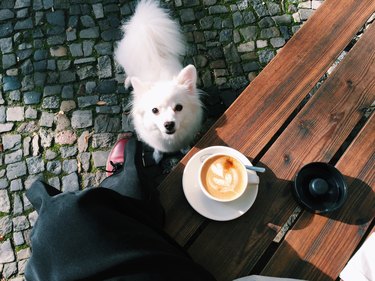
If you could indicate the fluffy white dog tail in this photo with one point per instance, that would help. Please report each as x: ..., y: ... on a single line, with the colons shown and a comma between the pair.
x: 152, y: 44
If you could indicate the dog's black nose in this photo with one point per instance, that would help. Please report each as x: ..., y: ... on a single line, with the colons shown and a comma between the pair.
x: 169, y: 126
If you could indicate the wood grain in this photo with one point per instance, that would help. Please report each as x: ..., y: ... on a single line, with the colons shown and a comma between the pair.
x: 315, y: 134
x: 318, y: 247
x: 259, y: 112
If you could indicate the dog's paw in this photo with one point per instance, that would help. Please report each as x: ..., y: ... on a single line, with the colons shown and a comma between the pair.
x: 185, y: 150
x: 157, y: 155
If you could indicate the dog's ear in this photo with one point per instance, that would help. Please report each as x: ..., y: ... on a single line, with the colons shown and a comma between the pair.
x: 138, y: 85
x: 188, y: 78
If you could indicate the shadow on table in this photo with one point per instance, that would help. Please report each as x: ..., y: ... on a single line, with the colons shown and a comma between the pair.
x: 292, y: 266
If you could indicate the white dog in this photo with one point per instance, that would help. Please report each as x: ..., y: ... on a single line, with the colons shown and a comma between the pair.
x: 166, y: 108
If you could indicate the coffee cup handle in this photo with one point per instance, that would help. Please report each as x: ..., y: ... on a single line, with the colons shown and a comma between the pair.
x: 252, y: 178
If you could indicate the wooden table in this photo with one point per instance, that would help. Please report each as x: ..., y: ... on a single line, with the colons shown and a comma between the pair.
x: 272, y: 124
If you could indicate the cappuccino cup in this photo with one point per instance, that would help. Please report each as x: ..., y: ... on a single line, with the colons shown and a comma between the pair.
x: 224, y: 177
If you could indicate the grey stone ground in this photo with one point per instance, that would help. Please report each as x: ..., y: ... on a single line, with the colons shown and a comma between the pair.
x: 62, y: 102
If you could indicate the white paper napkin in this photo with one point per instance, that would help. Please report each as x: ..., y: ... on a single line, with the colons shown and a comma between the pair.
x: 265, y: 278
x: 361, y: 267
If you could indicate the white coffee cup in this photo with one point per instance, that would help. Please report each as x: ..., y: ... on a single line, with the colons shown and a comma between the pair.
x: 224, y: 178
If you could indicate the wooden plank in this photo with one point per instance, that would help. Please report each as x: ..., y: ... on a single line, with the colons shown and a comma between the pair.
x: 259, y: 112
x: 315, y: 134
x: 319, y: 246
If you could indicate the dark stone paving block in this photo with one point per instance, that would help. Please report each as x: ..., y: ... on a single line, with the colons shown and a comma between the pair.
x: 106, y: 87
x: 6, y: 45
x: 31, y: 98
x: 87, y: 21
x: 22, y: 4
x: 46, y: 119
x: 98, y: 10
x: 6, y: 29
x: 111, y: 35
x: 35, y: 165
x: 51, y: 90
x: 22, y: 13
x: 86, y: 72
x: 54, y: 167
x: 105, y: 124
x: 63, y: 64
x: 37, y: 5
x: 82, y: 119
x: 56, y: 40
x: 40, y: 55
x: 8, y: 60
x: 6, y: 14
x: 67, y: 76
x: 87, y: 101
x: 67, y: 152
x: 24, y: 54
x: 40, y: 78
x: 76, y: 49
x: 27, y: 67
x: 89, y: 33
x: 51, y: 102
x: 47, y: 4
x: 55, y: 30
x: 73, y: 21
x: 24, y: 24
x: 6, y: 4
x: 70, y: 183
x: 108, y: 109
x: 56, y: 18
x: 87, y: 47
x: 11, y: 83
x: 70, y: 166
x: 16, y: 170
x: 67, y: 92
x: 40, y: 65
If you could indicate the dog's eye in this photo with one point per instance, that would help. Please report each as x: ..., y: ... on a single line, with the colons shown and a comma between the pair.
x: 155, y: 110
x: 178, y: 107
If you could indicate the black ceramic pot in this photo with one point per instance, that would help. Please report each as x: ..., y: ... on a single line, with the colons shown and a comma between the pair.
x: 320, y: 187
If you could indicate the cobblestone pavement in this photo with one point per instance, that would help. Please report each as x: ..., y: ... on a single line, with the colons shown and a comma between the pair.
x: 62, y: 100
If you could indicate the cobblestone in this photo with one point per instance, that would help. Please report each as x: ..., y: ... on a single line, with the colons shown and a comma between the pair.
x: 5, y: 225
x: 11, y: 141
x: 46, y: 119
x: 65, y: 137
x: 4, y: 201
x: 54, y: 167
x: 62, y: 99
x: 68, y: 151
x: 2, y: 114
x: 31, y: 98
x: 82, y: 119
x: 6, y: 252
x: 17, y: 205
x: 70, y: 183
x: 16, y: 185
x: 6, y: 127
x: 35, y: 165
x: 13, y: 157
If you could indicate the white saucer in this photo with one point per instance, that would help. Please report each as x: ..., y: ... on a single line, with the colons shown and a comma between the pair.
x: 219, y: 211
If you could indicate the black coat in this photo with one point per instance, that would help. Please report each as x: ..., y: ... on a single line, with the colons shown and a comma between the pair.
x: 98, y: 234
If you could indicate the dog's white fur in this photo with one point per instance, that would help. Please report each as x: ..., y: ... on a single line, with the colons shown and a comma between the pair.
x: 150, y: 53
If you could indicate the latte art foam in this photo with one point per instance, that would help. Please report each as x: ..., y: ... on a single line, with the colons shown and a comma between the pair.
x: 223, y: 177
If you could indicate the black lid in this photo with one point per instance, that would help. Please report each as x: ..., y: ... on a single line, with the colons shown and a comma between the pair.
x: 320, y: 187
